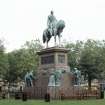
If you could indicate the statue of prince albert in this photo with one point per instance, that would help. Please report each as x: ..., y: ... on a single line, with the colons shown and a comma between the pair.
x: 54, y: 28
x: 51, y: 22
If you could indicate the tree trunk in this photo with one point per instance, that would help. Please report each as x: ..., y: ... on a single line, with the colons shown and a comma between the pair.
x: 89, y: 83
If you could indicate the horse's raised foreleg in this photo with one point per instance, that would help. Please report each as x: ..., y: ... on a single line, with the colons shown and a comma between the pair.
x: 59, y: 40
x: 47, y: 44
x: 55, y: 39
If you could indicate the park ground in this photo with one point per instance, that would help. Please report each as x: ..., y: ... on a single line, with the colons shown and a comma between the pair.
x: 63, y: 102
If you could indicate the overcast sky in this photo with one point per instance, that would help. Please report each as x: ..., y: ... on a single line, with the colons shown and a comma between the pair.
x: 22, y: 20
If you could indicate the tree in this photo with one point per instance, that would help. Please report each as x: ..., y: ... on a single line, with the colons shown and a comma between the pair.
x: 3, y: 60
x: 91, y: 61
x: 24, y: 60
x: 29, y: 56
x: 89, y: 57
x: 101, y: 65
x: 74, y: 53
x: 13, y: 59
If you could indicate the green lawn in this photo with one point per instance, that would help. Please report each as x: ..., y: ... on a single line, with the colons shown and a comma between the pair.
x: 64, y: 102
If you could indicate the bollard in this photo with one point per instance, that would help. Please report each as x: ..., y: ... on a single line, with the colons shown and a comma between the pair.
x: 17, y: 96
x: 24, y: 96
x: 102, y: 95
x: 47, y: 97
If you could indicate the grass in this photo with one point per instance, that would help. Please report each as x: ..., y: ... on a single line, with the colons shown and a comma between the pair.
x: 64, y: 102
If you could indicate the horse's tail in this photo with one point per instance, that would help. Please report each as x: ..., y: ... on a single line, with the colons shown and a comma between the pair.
x: 44, y: 37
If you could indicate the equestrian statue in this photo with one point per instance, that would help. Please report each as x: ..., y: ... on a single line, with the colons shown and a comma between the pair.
x: 54, y: 28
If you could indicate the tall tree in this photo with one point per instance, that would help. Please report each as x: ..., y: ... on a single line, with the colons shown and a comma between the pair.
x: 3, y: 60
x: 91, y: 60
x: 29, y: 56
x: 74, y: 53
x: 24, y: 59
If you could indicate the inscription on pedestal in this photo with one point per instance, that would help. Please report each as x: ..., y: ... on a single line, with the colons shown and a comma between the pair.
x: 61, y: 58
x: 47, y: 59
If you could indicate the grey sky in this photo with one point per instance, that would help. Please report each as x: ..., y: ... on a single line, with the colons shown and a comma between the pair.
x: 22, y: 20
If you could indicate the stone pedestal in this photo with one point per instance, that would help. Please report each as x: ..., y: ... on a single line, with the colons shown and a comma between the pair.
x: 53, y: 75
x: 51, y: 60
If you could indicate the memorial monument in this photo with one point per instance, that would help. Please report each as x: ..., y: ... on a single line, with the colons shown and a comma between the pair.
x: 53, y: 75
x: 53, y: 61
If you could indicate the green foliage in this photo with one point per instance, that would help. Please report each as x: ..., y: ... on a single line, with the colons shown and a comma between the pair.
x: 74, y: 53
x: 3, y: 61
x: 23, y: 60
x: 89, y: 57
x: 91, y: 60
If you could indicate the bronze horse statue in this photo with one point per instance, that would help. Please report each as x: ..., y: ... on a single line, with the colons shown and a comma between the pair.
x: 56, y: 32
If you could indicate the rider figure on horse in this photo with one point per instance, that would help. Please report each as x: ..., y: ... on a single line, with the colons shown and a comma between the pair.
x: 54, y: 28
x: 51, y: 23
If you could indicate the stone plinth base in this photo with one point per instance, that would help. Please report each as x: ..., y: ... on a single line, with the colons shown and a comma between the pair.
x: 52, y: 60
